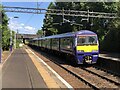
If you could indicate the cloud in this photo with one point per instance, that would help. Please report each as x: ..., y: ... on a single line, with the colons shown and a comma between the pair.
x: 22, y: 24
x: 29, y: 28
x: 21, y: 28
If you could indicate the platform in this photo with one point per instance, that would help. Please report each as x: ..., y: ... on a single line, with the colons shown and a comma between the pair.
x: 112, y: 56
x: 109, y: 62
x: 21, y: 71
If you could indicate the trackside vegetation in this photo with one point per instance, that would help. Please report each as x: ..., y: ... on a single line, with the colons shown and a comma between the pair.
x: 5, y: 30
x: 108, y: 30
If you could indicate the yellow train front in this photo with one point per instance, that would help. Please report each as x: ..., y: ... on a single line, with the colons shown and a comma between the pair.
x: 87, y: 47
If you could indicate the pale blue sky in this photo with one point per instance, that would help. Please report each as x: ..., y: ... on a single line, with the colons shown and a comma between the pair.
x: 26, y: 23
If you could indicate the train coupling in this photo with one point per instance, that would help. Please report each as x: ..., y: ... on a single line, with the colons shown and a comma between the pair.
x: 88, y: 59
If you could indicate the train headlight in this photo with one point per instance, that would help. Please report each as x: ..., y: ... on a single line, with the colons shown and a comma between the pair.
x: 95, y: 55
x: 80, y: 50
x: 94, y: 50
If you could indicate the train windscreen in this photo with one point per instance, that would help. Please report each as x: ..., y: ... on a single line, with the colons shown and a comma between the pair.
x: 86, y: 40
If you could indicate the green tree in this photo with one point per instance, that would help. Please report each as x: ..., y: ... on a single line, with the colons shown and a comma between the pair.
x: 39, y: 32
x: 92, y: 23
x: 111, y: 41
x: 48, y: 27
x: 5, y: 32
x: 103, y: 27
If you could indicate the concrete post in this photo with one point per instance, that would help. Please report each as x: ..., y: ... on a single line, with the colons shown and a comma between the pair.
x: 0, y: 36
x: 0, y: 49
x: 15, y: 40
x: 11, y: 41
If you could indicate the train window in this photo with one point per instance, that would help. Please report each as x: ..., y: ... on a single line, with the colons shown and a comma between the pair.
x: 39, y: 42
x: 92, y: 40
x: 86, y: 40
x: 48, y: 43
x: 55, y: 43
x: 43, y: 43
x: 67, y: 43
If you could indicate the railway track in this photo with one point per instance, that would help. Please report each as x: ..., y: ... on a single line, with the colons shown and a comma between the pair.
x: 77, y: 75
x: 81, y: 78
x: 103, y: 75
x: 87, y: 76
x: 107, y: 71
x: 80, y: 74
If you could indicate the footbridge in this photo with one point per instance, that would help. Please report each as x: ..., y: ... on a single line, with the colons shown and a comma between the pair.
x: 26, y: 37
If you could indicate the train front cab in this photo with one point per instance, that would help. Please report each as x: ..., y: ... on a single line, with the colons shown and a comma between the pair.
x: 87, y: 49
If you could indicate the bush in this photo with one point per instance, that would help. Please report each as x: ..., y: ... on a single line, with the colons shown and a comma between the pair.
x: 111, y: 41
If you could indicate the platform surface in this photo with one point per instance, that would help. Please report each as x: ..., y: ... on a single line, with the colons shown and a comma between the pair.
x: 20, y: 72
x: 112, y: 56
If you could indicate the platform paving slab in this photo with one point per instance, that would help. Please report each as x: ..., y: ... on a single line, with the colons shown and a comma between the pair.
x: 110, y: 62
x: 112, y: 56
x: 49, y: 77
x: 20, y: 72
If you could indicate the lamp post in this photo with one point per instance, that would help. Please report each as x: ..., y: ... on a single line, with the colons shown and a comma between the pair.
x: 0, y: 37
x: 10, y: 40
x: 11, y: 43
x: 15, y: 40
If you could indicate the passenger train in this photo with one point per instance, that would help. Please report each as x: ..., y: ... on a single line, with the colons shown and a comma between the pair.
x: 82, y: 45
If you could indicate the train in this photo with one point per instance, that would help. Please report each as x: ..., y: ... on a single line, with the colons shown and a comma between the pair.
x: 81, y: 46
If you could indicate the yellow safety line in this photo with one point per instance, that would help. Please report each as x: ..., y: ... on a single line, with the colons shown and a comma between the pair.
x: 50, y: 82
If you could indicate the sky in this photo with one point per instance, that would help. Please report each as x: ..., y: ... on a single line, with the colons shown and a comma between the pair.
x: 26, y: 23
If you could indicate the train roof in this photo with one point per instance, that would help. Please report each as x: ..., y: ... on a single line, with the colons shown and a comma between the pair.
x: 71, y: 34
